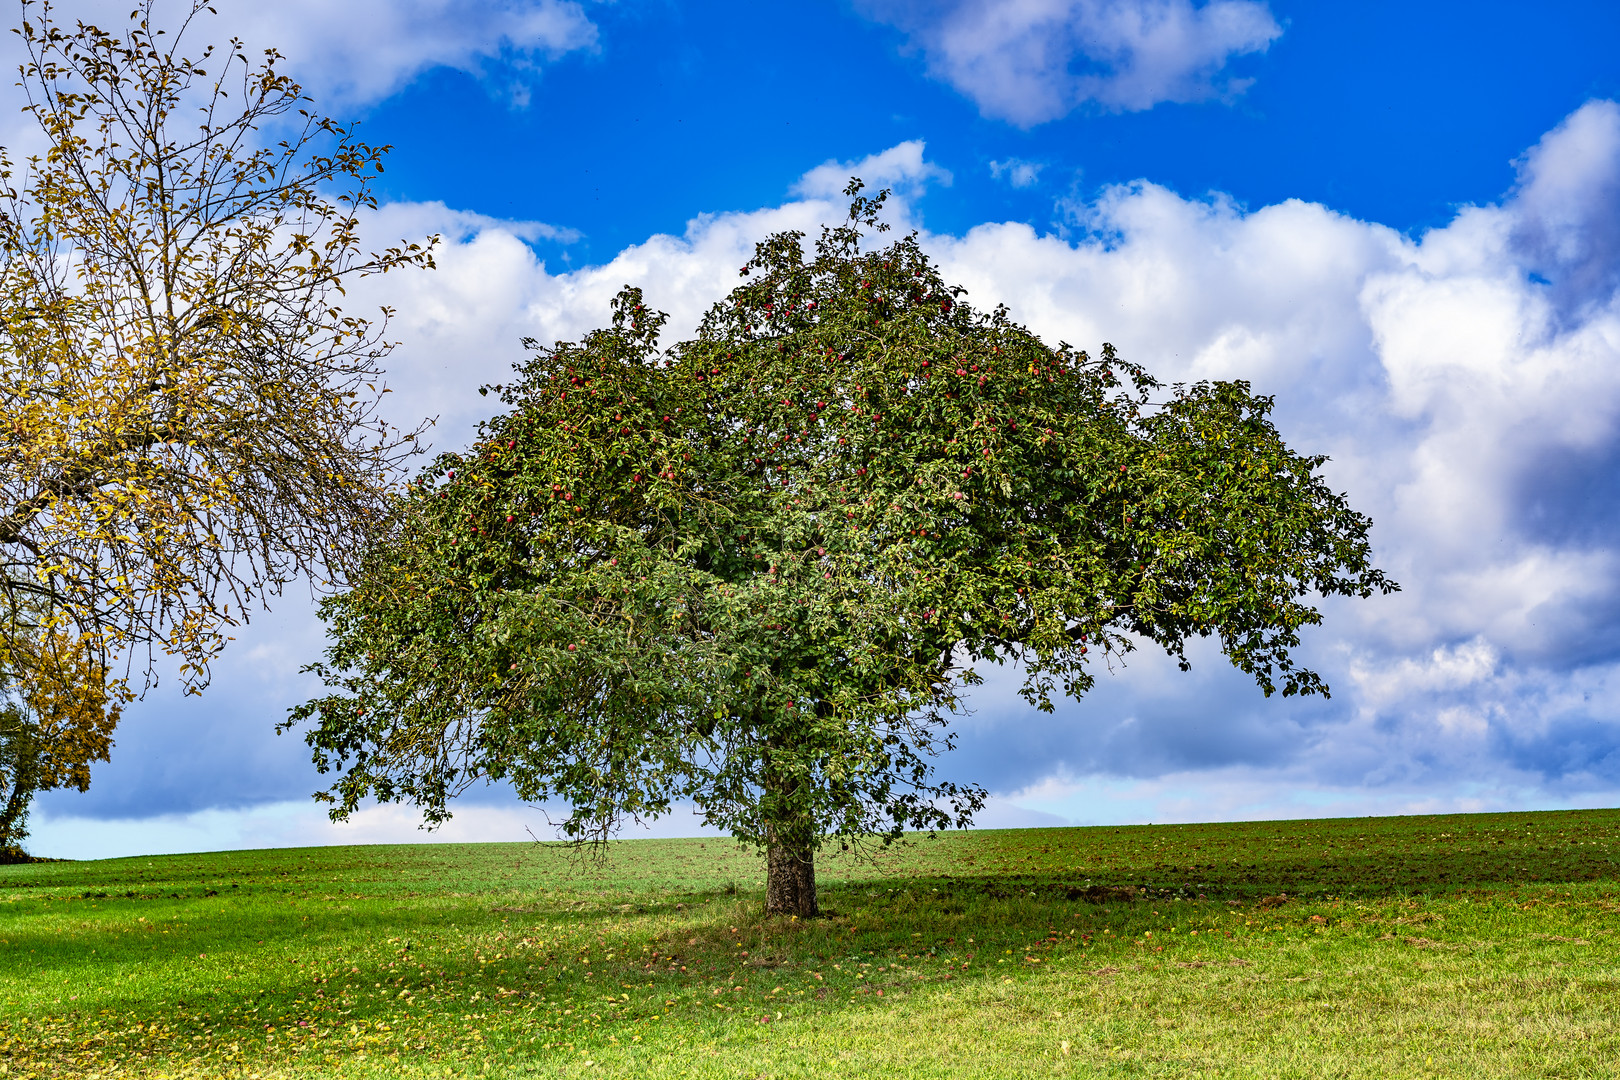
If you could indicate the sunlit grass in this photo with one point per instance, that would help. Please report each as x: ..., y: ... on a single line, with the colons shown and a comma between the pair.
x: 1466, y: 946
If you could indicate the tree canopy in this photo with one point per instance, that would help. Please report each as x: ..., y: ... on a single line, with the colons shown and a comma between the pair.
x: 756, y: 571
x: 190, y: 417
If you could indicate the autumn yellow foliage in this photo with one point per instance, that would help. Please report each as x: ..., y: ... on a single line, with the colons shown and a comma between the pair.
x: 188, y: 419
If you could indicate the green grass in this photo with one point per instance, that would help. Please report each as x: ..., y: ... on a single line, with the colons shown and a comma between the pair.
x: 1461, y: 946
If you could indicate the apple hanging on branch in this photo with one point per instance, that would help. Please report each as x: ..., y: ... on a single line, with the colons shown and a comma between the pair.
x: 782, y: 639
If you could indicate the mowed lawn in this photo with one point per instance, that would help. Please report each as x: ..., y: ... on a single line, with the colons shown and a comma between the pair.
x: 1458, y: 946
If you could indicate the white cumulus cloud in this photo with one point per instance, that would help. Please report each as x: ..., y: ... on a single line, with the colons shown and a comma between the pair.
x: 1030, y: 61
x: 901, y: 167
x: 364, y: 50
x: 360, y: 51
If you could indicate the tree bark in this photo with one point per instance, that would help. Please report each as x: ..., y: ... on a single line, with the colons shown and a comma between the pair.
x: 790, y: 873
x: 790, y: 841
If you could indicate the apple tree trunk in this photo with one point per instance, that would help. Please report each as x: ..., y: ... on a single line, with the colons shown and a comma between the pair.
x: 790, y: 873
x: 790, y: 848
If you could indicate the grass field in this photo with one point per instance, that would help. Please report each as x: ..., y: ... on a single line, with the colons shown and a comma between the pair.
x: 1459, y: 946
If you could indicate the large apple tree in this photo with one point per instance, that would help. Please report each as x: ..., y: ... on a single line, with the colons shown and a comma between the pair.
x: 755, y: 571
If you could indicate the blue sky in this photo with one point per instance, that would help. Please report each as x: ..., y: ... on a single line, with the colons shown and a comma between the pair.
x: 1402, y: 220
x: 1396, y: 113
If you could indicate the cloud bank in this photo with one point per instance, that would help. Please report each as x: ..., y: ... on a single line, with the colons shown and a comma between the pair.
x: 1466, y: 383
x: 1031, y: 61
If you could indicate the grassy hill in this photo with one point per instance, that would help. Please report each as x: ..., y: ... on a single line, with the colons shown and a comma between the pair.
x: 1457, y: 946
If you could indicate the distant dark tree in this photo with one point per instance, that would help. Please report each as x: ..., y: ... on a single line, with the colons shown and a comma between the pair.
x: 756, y: 571
x: 58, y: 709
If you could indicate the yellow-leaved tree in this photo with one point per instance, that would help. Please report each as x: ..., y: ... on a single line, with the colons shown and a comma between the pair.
x: 188, y: 418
